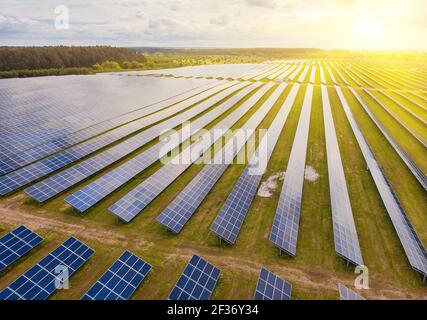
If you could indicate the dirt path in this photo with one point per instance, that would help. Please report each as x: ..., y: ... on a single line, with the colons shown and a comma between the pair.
x: 11, y: 214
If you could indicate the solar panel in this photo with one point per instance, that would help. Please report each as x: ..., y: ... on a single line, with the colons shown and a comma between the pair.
x: 39, y: 282
x: 121, y: 279
x: 348, y: 294
x: 17, y: 243
x: 230, y: 219
x: 54, y: 112
x: 287, y: 72
x: 197, y: 281
x: 272, y: 287
x: 62, y: 181
x: 345, y: 235
x: 412, y: 245
x: 180, y: 210
x: 284, y: 232
x: 28, y: 156
x: 412, y: 166
x: 129, y: 206
x: 303, y: 75
x: 94, y: 192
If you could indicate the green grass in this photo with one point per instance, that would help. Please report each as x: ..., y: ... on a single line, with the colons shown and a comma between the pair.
x: 315, y: 270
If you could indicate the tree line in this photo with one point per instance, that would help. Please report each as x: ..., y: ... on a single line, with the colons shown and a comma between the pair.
x: 59, y: 57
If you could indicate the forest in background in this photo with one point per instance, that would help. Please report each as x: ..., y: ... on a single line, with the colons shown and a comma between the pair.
x: 63, y: 60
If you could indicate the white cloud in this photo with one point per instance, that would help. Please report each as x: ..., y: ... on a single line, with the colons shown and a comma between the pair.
x: 246, y: 23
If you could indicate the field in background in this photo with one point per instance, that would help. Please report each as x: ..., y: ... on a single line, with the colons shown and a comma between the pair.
x: 315, y: 272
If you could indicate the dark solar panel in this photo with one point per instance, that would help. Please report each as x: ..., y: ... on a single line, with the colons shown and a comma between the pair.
x: 39, y: 282
x: 121, y: 279
x: 197, y: 281
x: 17, y: 243
x: 272, y: 287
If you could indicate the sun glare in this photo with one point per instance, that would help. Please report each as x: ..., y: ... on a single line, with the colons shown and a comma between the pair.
x: 368, y: 29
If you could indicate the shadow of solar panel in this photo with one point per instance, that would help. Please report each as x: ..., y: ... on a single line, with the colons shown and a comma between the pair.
x: 43, y: 279
x: 272, y: 287
x: 17, y: 243
x: 197, y: 281
x: 348, y: 294
x: 121, y: 279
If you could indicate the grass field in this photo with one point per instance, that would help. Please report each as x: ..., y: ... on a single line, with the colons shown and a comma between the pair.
x: 316, y: 269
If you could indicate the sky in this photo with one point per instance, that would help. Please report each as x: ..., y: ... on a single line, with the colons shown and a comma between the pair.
x: 326, y: 24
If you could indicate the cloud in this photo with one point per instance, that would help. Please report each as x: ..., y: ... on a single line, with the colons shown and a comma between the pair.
x: 216, y: 23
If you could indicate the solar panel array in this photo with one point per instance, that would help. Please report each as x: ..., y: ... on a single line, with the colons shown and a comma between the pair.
x: 412, y: 166
x: 37, y: 114
x: 412, y: 245
x: 272, y: 287
x: 180, y: 210
x: 284, y: 232
x: 230, y: 219
x: 54, y: 185
x: 39, y: 169
x: 129, y: 206
x: 39, y: 282
x: 28, y: 156
x: 102, y: 187
x: 348, y: 294
x: 197, y: 281
x: 121, y: 279
x: 17, y: 243
x: 345, y: 234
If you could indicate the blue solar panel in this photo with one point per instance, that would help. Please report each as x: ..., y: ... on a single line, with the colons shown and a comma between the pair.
x: 15, y: 244
x: 43, y: 111
x: 129, y: 123
x: 39, y: 282
x: 348, y: 294
x: 414, y: 248
x: 197, y: 281
x: 179, y: 211
x: 65, y: 179
x: 284, y: 232
x: 272, y: 287
x: 230, y: 219
x: 413, y: 167
x: 94, y: 192
x: 121, y: 279
x: 128, y: 207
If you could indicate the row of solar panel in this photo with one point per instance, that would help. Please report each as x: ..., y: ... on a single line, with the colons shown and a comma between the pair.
x: 119, y: 282
x: 53, y: 127
x: 226, y: 227
x: 126, y: 125
x: 413, y: 247
x: 82, y: 170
